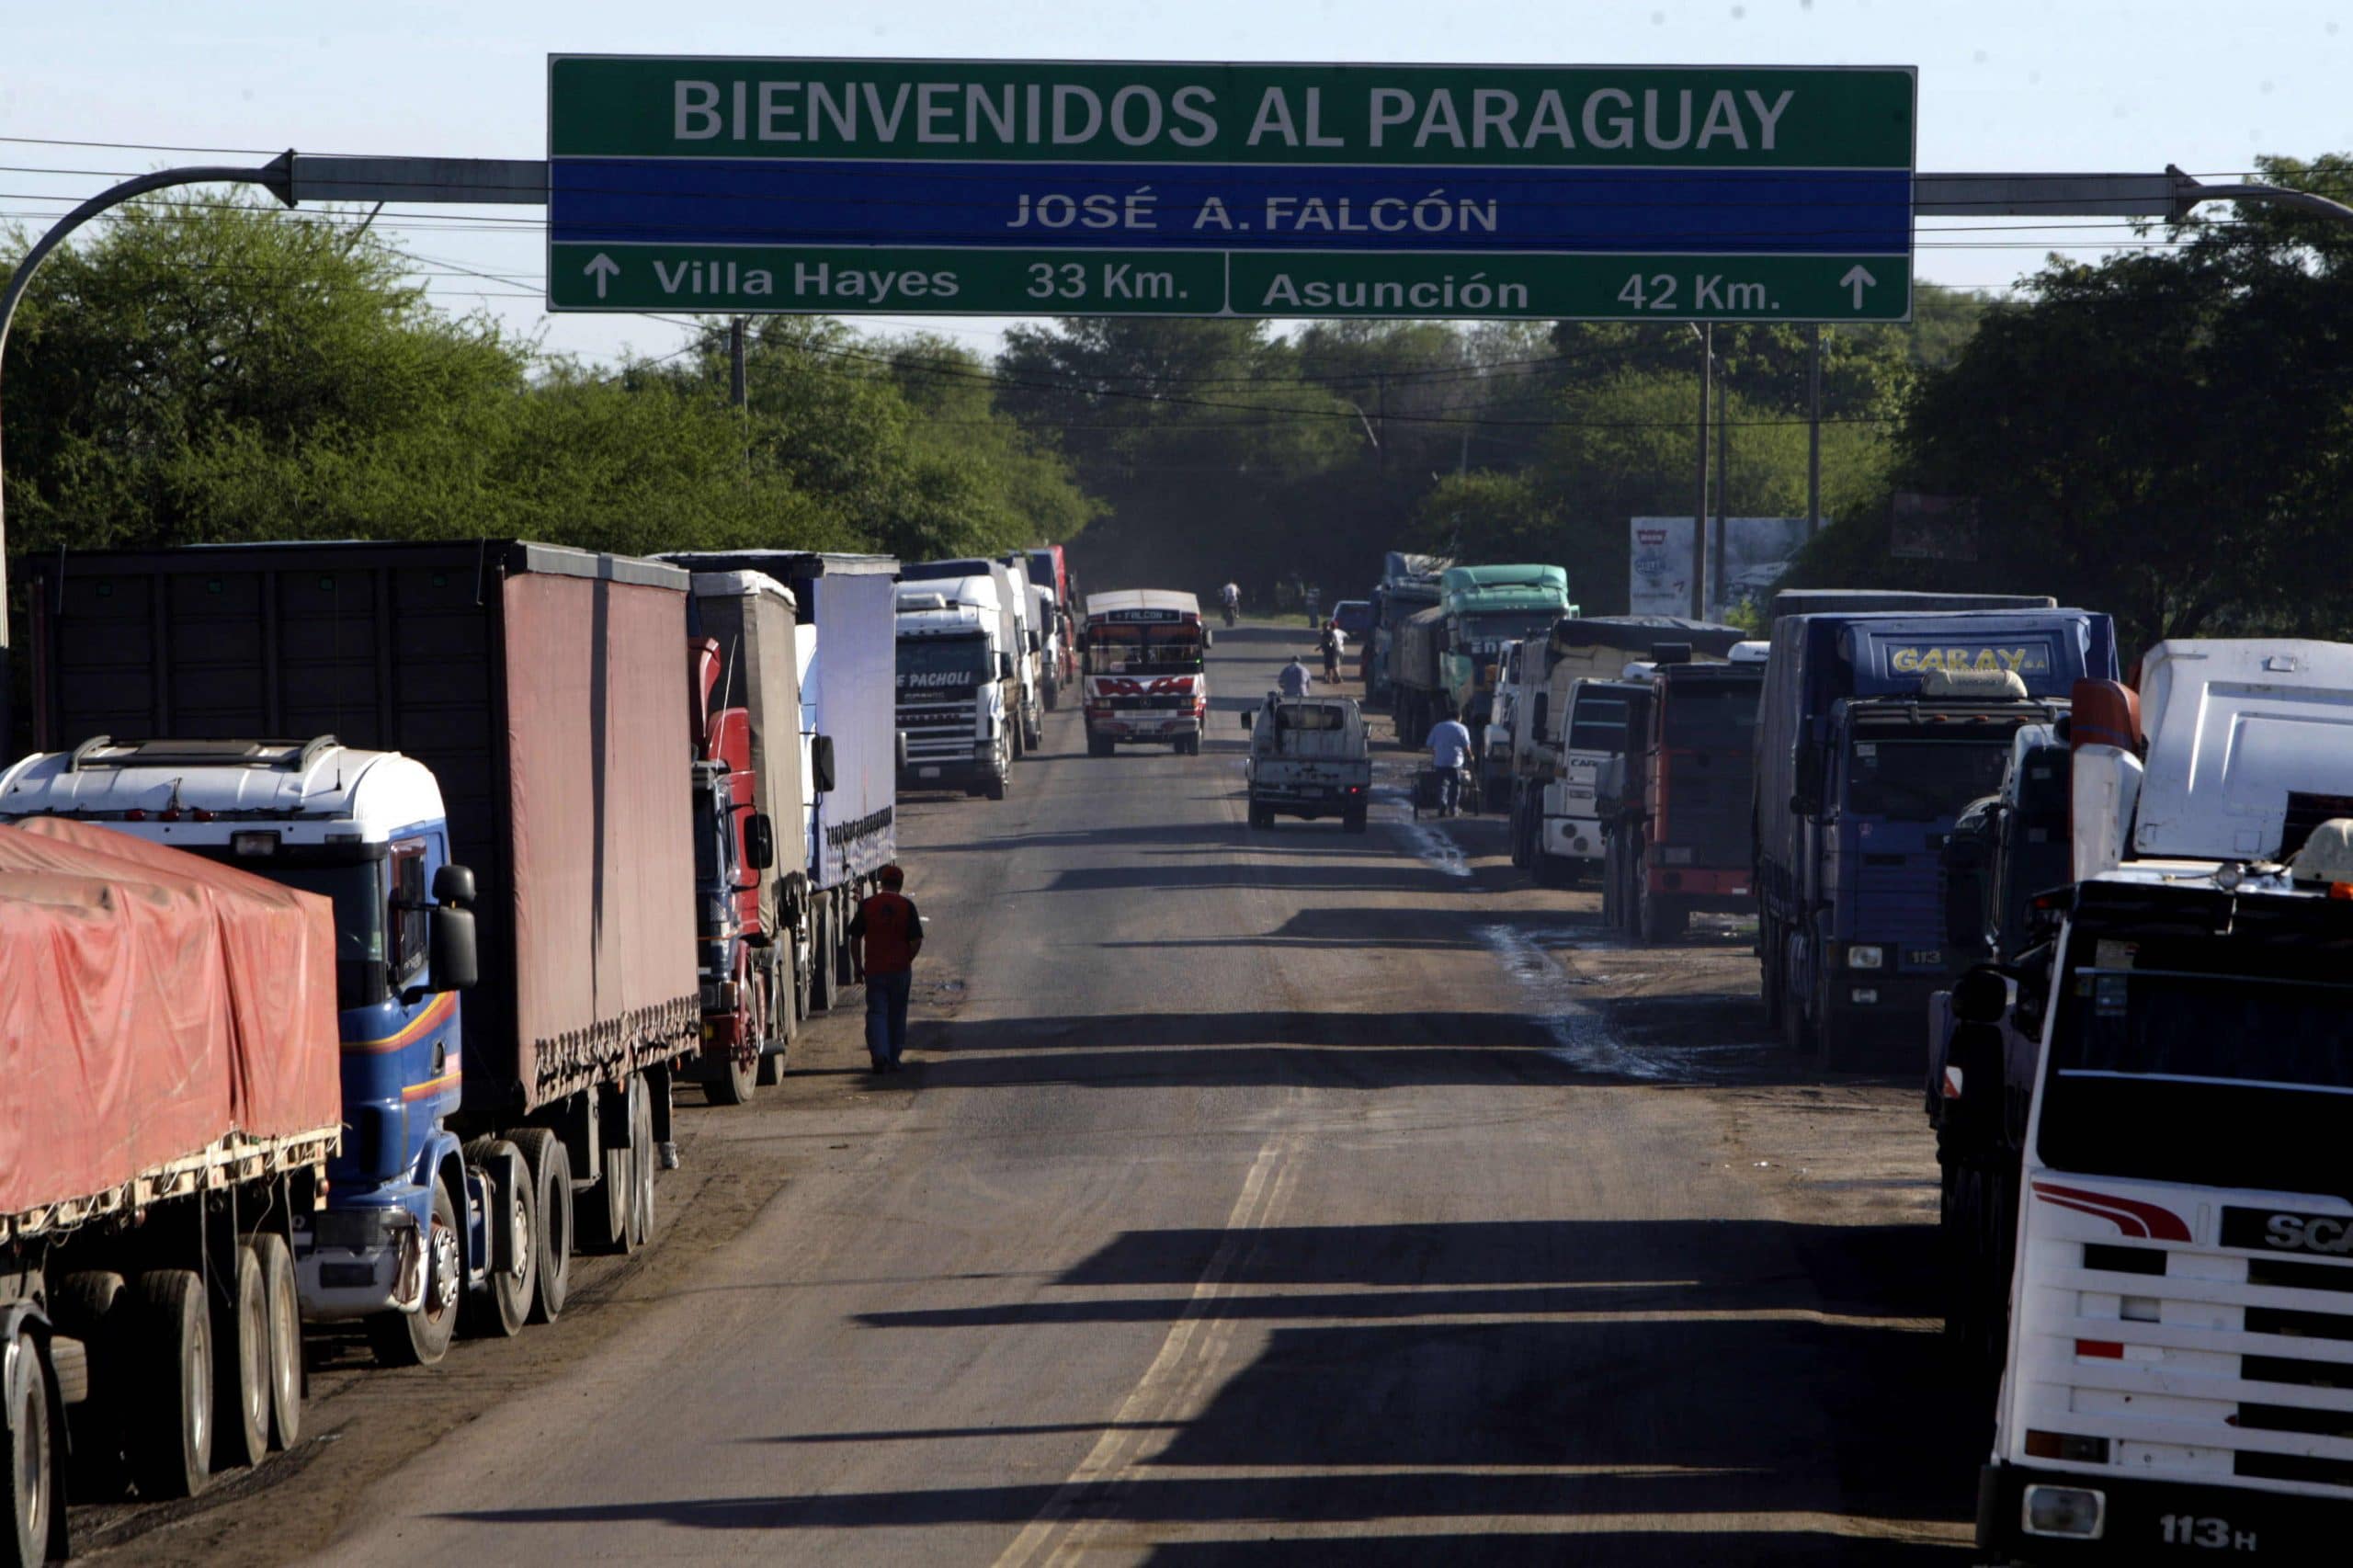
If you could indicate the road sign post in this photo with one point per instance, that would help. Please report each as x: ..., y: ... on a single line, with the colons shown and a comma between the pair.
x: 1000, y: 187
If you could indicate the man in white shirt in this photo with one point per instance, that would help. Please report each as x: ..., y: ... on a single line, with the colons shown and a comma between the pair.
x: 1449, y: 745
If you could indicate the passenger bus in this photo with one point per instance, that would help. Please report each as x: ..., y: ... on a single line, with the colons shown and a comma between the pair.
x: 1146, y: 681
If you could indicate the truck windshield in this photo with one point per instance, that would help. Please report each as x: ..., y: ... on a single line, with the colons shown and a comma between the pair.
x: 1714, y: 718
x: 1145, y: 650
x: 930, y: 664
x: 2219, y: 1060
x: 1506, y: 628
x: 1599, y: 724
x: 358, y: 893
x: 1923, y: 780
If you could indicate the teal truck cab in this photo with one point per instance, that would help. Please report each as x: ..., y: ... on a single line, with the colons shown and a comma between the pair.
x: 1487, y: 609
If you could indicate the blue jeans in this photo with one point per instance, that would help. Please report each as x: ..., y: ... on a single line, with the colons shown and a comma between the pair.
x: 886, y: 1014
x: 1449, y: 788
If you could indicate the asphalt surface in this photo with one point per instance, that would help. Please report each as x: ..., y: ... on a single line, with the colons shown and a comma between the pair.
x: 1252, y: 1197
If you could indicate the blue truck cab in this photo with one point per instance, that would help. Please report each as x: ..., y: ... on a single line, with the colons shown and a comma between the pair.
x: 366, y: 830
x: 1876, y: 731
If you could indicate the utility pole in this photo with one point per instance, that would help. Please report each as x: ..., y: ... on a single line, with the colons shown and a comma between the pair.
x: 1699, y: 507
x: 1813, y: 429
x: 1716, y: 594
x: 735, y: 392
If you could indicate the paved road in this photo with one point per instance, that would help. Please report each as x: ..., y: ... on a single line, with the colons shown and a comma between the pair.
x: 1255, y: 1197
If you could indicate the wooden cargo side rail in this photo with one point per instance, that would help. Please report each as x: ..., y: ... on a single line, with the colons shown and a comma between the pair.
x: 231, y: 1161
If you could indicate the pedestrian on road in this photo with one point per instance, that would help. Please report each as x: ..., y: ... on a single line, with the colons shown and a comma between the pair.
x: 1449, y: 745
x: 893, y: 933
x: 1295, y: 681
x: 1336, y: 642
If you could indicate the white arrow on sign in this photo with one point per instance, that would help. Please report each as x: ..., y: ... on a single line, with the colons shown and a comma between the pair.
x: 1856, y: 279
x: 602, y: 266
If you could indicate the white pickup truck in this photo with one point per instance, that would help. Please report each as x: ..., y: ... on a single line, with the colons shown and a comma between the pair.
x: 1308, y: 758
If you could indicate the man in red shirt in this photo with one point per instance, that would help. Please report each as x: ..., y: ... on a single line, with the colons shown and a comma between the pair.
x: 893, y: 933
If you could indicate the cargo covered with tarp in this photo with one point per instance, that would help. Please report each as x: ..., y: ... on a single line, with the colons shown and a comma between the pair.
x: 540, y: 683
x: 153, y: 1007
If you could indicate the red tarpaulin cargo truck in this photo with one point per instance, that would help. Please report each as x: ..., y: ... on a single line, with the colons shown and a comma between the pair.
x: 509, y: 718
x: 168, y: 1044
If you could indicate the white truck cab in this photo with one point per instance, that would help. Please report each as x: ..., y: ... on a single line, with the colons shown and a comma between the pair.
x: 959, y: 687
x: 2178, y: 1374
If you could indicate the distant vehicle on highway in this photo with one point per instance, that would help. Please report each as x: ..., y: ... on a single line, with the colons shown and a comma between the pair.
x: 1308, y: 758
x: 1145, y: 675
x: 1353, y: 617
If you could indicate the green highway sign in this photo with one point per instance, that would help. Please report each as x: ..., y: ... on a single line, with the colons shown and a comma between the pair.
x: 1019, y: 187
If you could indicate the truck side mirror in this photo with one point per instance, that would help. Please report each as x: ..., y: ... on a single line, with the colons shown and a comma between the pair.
x: 760, y: 841
x: 1005, y: 667
x: 821, y: 764
x: 449, y: 940
x: 454, y: 883
x: 1208, y: 637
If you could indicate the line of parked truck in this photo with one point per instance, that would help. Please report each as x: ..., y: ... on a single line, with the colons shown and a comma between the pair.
x: 363, y: 906
x: 2118, y: 909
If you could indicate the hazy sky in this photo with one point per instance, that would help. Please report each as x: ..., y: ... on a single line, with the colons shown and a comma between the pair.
x: 2004, y: 85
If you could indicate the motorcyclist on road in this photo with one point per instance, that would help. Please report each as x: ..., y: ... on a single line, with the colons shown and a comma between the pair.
x: 1449, y: 745
x: 1295, y: 681
x: 1231, y: 595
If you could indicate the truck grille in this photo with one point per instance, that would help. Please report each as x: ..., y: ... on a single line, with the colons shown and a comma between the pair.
x: 1899, y: 899
x: 938, y: 732
x: 2196, y: 1363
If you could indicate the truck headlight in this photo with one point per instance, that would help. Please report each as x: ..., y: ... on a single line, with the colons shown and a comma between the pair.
x: 2077, y: 1511
x: 1866, y: 955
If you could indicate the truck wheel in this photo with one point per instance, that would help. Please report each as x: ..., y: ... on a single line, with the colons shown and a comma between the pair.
x: 241, y: 1377
x: 29, y: 1456
x: 643, y: 1160
x: 1096, y: 746
x: 1833, y: 1051
x: 1053, y: 695
x: 422, y: 1337
x: 1663, y: 919
x: 95, y: 1307
x: 1768, y: 966
x: 169, y: 1427
x: 768, y: 1071
x: 282, y: 1304
x: 821, y: 963
x: 550, y: 1166
x: 1353, y: 819
x: 502, y: 1309
x: 601, y: 1216
x: 1260, y: 817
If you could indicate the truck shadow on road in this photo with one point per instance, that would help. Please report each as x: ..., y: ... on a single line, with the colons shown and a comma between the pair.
x: 1683, y: 1384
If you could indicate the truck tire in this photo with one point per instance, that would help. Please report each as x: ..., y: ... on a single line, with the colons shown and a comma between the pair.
x: 821, y: 962
x: 500, y: 1311
x: 168, y: 1425
x: 550, y: 1166
x: 1096, y: 746
x: 1053, y: 694
x: 1663, y: 919
x: 1768, y: 970
x: 601, y: 1216
x: 995, y: 790
x: 642, y: 1161
x: 1261, y: 818
x: 28, y: 1449
x: 1353, y: 819
x: 422, y: 1337
x: 282, y: 1303
x: 241, y: 1374
x: 94, y: 1306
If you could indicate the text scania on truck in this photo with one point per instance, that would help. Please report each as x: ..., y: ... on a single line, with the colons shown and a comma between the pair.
x: 1146, y: 680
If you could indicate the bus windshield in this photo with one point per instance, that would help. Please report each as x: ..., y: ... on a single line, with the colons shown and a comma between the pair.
x: 1131, y: 649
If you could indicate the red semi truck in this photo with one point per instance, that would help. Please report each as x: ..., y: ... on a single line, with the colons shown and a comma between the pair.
x: 168, y: 1040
